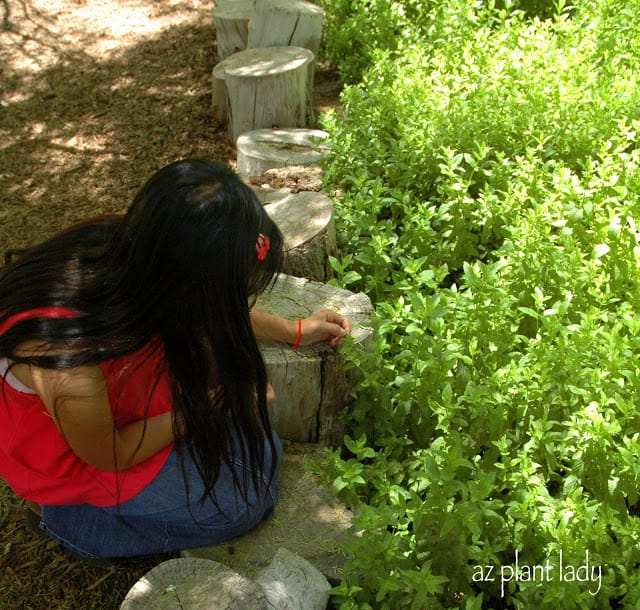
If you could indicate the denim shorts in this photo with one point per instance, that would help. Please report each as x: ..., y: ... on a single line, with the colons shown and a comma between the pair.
x: 165, y: 517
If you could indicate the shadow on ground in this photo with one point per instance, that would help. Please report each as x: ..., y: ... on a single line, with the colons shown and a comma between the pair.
x: 78, y: 137
x: 81, y: 138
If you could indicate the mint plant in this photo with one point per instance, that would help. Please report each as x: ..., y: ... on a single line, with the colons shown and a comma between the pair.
x: 490, y: 190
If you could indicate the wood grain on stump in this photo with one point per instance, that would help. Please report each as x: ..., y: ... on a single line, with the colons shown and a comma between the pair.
x: 310, y: 383
x: 285, y: 23
x: 268, y: 87
x: 290, y: 581
x: 306, y: 222
x: 263, y: 149
x: 194, y: 582
x: 232, y: 26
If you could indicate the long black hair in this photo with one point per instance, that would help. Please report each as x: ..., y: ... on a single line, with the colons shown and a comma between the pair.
x: 181, y: 266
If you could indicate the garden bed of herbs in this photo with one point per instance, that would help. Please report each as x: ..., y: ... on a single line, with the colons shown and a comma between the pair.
x: 488, y: 164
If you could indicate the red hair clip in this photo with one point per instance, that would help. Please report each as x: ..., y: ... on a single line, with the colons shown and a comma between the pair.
x: 263, y: 245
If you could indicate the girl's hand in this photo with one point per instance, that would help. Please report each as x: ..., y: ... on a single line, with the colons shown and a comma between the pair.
x: 324, y: 325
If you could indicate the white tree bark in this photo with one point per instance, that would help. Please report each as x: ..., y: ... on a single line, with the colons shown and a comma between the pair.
x: 264, y: 149
x: 269, y: 87
x: 310, y: 383
x: 284, y: 23
x: 232, y: 26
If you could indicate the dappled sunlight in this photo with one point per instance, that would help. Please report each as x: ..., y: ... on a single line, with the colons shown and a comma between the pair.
x: 94, y: 97
x: 40, y: 31
x: 79, y: 143
x: 141, y: 591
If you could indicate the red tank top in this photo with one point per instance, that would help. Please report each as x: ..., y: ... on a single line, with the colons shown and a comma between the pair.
x: 36, y: 461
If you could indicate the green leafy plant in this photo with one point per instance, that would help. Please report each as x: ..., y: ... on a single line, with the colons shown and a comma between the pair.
x: 490, y: 188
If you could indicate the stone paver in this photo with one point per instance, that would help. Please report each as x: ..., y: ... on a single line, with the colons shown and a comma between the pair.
x: 308, y: 521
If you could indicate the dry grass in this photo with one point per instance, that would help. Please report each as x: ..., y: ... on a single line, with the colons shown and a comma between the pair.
x: 36, y: 574
x: 94, y: 99
x: 95, y: 96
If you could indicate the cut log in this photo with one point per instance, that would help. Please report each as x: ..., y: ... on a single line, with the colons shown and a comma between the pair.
x: 311, y: 383
x: 284, y: 23
x: 264, y: 149
x: 293, y: 178
x: 232, y: 26
x: 306, y: 222
x: 219, y: 98
x: 194, y: 583
x: 290, y: 581
x: 269, y: 88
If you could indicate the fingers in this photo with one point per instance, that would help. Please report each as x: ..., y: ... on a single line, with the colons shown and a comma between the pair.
x: 336, y: 318
x: 270, y: 395
x: 332, y: 326
x: 336, y: 333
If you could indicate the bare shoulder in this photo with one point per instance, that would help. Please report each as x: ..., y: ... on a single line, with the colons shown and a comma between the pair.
x: 54, y: 385
x: 79, y: 382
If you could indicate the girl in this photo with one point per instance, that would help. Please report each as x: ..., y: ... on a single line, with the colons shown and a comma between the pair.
x: 133, y: 398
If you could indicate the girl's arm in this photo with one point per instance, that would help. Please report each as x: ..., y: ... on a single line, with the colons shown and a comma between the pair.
x: 78, y: 402
x: 324, y: 325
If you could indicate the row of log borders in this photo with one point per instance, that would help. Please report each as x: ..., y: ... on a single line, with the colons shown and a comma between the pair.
x: 311, y: 383
x: 267, y: 50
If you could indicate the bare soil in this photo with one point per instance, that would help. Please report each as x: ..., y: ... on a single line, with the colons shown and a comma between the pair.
x: 95, y: 96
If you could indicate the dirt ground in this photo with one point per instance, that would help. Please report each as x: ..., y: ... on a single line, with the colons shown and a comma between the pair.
x: 95, y: 95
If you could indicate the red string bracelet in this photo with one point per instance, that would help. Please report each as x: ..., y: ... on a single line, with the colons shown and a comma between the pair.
x: 296, y: 343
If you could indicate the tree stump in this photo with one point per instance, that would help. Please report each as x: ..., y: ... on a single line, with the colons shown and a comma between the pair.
x: 290, y: 179
x: 310, y: 383
x: 284, y: 23
x: 290, y: 581
x: 193, y: 582
x: 219, y: 99
x: 268, y: 87
x: 264, y: 149
x: 306, y: 222
x: 232, y: 26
